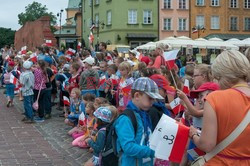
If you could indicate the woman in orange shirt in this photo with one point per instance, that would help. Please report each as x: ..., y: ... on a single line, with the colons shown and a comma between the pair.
x: 225, y: 109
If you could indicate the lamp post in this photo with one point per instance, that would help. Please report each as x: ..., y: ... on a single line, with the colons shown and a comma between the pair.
x: 97, y: 26
x: 60, y: 30
x: 80, y: 9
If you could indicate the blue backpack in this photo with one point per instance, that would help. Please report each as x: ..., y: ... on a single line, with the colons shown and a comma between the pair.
x: 65, y: 82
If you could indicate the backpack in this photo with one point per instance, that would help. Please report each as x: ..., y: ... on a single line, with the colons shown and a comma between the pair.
x: 109, y: 154
x: 65, y: 82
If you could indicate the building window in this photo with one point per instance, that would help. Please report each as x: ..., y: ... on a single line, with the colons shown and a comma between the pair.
x: 247, y: 24
x: 233, y: 23
x: 200, y: 2
x: 97, y: 2
x: 182, y: 4
x: 132, y: 16
x: 215, y: 2
x: 109, y: 17
x: 247, y: 4
x: 182, y: 24
x: 90, y: 3
x: 167, y: 24
x: 167, y: 4
x: 215, y: 22
x: 200, y: 21
x: 97, y: 20
x: 233, y: 3
x: 147, y: 17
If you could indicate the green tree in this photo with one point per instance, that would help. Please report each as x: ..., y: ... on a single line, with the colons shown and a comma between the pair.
x: 33, y: 12
x: 7, y: 36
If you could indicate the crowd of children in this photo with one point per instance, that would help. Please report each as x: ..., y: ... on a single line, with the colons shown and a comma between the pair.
x: 96, y: 90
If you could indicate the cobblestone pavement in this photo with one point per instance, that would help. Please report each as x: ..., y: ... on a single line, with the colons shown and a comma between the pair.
x: 42, y: 144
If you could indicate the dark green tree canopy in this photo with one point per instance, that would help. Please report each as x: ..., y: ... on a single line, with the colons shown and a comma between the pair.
x: 6, y: 36
x: 33, y: 12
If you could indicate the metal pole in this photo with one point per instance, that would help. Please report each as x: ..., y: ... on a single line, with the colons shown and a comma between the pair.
x: 92, y: 12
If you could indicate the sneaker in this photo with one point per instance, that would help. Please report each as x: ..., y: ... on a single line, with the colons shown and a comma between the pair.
x: 24, y: 119
x: 38, y: 120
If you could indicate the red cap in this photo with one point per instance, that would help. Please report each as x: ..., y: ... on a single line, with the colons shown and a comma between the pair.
x: 161, y: 82
x: 11, y: 63
x: 206, y: 86
x: 145, y: 59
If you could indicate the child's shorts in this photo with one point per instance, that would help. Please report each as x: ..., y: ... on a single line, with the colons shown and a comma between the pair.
x: 10, y: 88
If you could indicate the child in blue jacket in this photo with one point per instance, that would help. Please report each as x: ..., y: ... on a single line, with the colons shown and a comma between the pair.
x: 104, y: 117
x: 134, y: 148
x: 77, y: 106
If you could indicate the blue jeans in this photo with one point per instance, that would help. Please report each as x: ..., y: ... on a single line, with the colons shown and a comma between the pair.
x: 10, y: 88
x: 27, y: 103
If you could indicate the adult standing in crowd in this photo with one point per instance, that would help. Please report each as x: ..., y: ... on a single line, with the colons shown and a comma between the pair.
x: 225, y: 109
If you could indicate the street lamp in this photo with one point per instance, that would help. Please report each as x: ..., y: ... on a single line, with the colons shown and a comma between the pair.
x: 60, y: 14
x: 80, y: 9
x: 97, y: 25
x: 198, y: 29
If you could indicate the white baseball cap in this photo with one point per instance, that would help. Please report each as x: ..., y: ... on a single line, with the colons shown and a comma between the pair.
x: 90, y: 60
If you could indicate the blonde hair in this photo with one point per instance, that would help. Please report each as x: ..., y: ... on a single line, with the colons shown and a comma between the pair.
x: 230, y: 67
x: 125, y: 65
x: 77, y: 91
x: 205, y: 70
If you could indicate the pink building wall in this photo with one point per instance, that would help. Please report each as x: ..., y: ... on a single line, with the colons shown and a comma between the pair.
x: 174, y: 13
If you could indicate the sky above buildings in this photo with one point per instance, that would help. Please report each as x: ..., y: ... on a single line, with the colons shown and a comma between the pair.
x: 9, y: 10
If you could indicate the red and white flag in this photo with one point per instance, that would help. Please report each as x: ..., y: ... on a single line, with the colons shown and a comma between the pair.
x: 186, y: 89
x: 183, y: 119
x: 102, y: 80
x: 170, y: 57
x: 66, y: 101
x: 13, y: 79
x: 68, y: 57
x: 48, y: 43
x: 195, y: 153
x: 169, y: 139
x: 71, y: 51
x: 114, y: 79
x: 194, y: 30
x: 24, y: 50
x: 79, y: 45
x: 33, y: 58
x: 92, y: 27
x: 176, y: 106
x: 82, y: 121
x: 91, y: 37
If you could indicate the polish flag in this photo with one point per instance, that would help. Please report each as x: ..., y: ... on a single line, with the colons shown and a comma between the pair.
x: 183, y: 120
x: 170, y: 57
x: 186, y: 89
x: 92, y: 27
x: 176, y: 106
x: 195, y: 153
x: 66, y: 101
x: 102, y: 80
x: 91, y: 37
x: 194, y: 30
x: 24, y: 50
x: 169, y: 139
x: 71, y: 51
x: 17, y: 88
x: 114, y: 79
x: 13, y: 79
x: 48, y: 43
x: 68, y: 58
x: 82, y: 119
x: 79, y: 45
x: 33, y: 58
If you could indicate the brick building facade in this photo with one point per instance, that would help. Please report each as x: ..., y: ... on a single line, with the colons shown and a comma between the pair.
x: 34, y: 34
